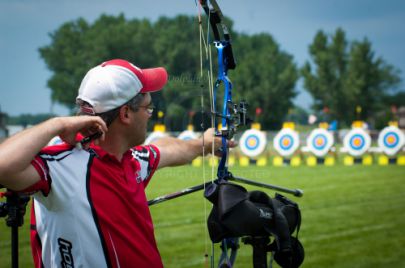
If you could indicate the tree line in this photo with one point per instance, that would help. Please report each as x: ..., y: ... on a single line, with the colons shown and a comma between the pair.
x: 340, y: 75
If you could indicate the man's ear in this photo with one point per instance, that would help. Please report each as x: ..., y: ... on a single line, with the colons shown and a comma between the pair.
x: 124, y: 114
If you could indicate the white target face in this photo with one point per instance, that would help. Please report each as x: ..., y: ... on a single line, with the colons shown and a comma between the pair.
x: 154, y: 136
x: 253, y: 142
x: 357, y: 142
x: 286, y: 142
x: 320, y: 141
x: 391, y: 140
x: 187, y: 135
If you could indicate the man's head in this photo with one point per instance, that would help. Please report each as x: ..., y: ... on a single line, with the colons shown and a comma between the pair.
x: 116, y: 82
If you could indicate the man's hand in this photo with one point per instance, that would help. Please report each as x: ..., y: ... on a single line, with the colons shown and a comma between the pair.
x: 86, y: 125
x: 213, y: 143
x: 17, y: 152
x: 174, y: 152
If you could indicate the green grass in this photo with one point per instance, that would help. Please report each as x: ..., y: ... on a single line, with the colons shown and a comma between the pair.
x: 351, y: 216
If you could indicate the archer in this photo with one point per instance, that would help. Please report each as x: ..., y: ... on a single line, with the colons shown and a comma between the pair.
x: 90, y: 208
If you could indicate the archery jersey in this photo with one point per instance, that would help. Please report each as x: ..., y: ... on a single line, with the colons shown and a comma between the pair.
x: 90, y: 210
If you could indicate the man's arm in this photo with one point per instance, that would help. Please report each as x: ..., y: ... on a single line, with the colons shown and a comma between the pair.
x: 175, y: 152
x: 17, y: 152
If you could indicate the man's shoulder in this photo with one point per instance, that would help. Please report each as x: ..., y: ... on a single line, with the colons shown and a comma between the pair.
x: 57, y: 151
x: 145, y: 152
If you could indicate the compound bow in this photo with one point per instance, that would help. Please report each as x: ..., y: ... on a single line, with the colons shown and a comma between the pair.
x: 232, y: 116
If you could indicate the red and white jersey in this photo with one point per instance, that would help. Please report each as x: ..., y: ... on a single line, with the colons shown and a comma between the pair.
x: 90, y: 210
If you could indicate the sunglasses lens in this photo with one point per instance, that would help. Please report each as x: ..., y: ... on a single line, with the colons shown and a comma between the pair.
x: 150, y: 108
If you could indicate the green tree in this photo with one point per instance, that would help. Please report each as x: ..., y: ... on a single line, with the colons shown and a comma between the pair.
x: 390, y: 106
x: 265, y: 76
x: 341, y: 78
x: 298, y: 115
x: 176, y: 45
x: 77, y: 46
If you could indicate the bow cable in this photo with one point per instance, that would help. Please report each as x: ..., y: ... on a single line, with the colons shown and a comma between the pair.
x: 204, y: 46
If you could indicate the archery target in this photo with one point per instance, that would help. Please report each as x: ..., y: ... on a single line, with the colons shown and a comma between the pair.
x: 286, y: 142
x: 253, y: 142
x: 357, y: 141
x: 187, y: 135
x: 391, y: 140
x: 320, y: 141
x: 155, y: 135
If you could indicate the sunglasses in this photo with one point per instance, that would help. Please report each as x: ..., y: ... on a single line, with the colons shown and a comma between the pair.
x: 149, y: 108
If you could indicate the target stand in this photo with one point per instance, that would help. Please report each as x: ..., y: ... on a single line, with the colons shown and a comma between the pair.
x: 391, y: 141
x: 286, y: 143
x: 252, y: 145
x: 356, y: 144
x: 384, y: 160
x: 319, y: 144
x: 313, y: 161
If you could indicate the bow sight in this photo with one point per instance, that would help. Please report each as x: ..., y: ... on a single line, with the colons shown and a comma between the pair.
x: 236, y: 117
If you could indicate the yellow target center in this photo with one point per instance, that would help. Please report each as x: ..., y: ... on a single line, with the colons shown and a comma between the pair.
x: 357, y: 142
x: 252, y: 142
x: 319, y: 142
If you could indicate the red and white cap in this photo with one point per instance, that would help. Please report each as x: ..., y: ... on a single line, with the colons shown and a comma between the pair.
x: 114, y: 82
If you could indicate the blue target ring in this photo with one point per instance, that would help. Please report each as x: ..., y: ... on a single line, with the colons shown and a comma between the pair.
x: 357, y: 142
x: 252, y: 142
x: 320, y: 141
x: 286, y: 142
x: 391, y: 139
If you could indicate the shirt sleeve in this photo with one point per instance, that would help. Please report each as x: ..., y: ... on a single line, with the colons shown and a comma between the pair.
x: 40, y: 163
x: 147, y: 158
x: 44, y: 184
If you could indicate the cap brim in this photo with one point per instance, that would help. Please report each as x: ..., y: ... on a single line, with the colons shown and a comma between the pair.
x: 154, y: 79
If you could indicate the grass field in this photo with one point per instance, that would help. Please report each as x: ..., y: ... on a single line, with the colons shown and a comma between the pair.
x: 351, y: 216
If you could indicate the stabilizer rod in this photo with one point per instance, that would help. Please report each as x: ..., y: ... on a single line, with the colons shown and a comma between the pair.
x: 186, y: 191
x: 295, y: 192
